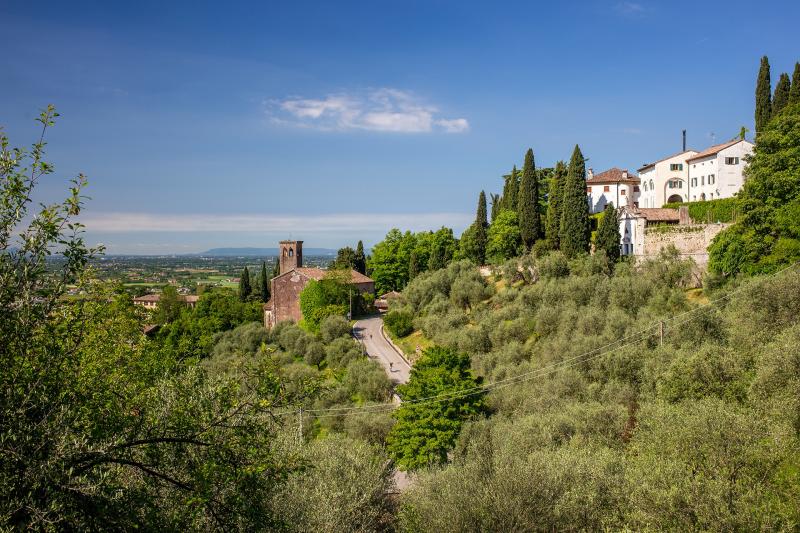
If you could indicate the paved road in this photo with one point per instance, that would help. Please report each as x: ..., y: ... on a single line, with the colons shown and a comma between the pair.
x: 368, y: 331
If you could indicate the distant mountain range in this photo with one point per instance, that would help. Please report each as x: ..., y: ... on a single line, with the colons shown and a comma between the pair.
x: 260, y: 252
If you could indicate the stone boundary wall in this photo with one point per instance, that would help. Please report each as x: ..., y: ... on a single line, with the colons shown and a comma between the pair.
x: 690, y: 240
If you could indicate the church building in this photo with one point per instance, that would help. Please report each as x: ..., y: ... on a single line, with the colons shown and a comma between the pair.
x: 293, y: 278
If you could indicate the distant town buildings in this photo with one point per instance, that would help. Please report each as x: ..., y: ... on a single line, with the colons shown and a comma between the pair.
x: 287, y: 286
x: 150, y: 301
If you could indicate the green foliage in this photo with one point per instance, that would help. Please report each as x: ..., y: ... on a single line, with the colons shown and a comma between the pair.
x: 425, y: 432
x: 763, y: 109
x: 390, y: 261
x: 399, y: 323
x: 346, y: 489
x: 794, y: 91
x: 495, y: 200
x: 360, y: 261
x: 530, y: 219
x: 781, y: 97
x: 710, y: 211
x: 480, y: 237
x: 607, y: 237
x: 327, y: 297
x: 333, y: 327
x: 264, y: 283
x: 768, y: 233
x: 554, y: 199
x: 101, y: 427
x: 345, y: 258
x: 574, y: 232
x: 510, y: 190
x: 169, y: 306
x: 192, y: 333
x: 245, y: 289
x: 504, y: 240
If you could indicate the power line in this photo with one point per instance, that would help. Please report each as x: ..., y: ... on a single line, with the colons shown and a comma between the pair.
x: 551, y: 368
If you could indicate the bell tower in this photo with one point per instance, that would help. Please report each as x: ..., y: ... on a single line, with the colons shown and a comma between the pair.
x: 291, y: 255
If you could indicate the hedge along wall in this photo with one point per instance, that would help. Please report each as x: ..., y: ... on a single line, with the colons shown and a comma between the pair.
x: 721, y: 210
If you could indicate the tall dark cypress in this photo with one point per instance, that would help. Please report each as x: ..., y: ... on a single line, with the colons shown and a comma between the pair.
x: 781, y: 98
x: 530, y: 220
x: 360, y: 263
x: 511, y: 190
x: 264, y: 283
x: 480, y: 229
x: 575, y: 230
x: 245, y: 289
x: 497, y: 203
x: 763, y: 96
x: 276, y: 269
x: 607, y: 237
x: 554, y: 198
x: 794, y: 92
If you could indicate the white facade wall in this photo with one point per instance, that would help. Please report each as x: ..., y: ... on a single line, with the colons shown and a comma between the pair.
x: 665, y: 179
x: 631, y: 230
x: 620, y: 194
x: 719, y: 175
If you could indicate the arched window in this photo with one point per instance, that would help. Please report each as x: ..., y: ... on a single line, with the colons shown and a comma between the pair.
x: 652, y: 185
x: 291, y: 252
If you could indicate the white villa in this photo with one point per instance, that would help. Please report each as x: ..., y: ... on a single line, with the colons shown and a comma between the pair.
x: 615, y: 186
x: 718, y: 172
x: 666, y: 180
x: 691, y: 176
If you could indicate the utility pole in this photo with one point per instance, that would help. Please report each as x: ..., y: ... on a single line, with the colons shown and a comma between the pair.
x: 300, y: 418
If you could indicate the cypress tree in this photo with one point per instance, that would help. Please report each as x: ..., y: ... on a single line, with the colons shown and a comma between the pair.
x: 496, y: 205
x: 555, y: 192
x: 607, y: 237
x: 276, y: 269
x: 575, y: 231
x: 530, y: 221
x: 360, y: 263
x: 264, y: 282
x: 244, y: 285
x: 511, y: 191
x: 414, y: 266
x: 781, y: 98
x: 794, y: 92
x: 480, y: 229
x: 763, y: 96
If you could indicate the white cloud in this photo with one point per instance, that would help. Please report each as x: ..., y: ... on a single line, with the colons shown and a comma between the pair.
x: 630, y: 9
x: 383, y: 110
x: 295, y: 224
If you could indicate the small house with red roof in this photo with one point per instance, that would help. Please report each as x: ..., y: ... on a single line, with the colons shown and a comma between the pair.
x: 616, y: 186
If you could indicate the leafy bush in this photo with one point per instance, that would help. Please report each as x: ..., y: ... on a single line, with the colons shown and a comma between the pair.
x: 399, y: 323
x: 710, y: 211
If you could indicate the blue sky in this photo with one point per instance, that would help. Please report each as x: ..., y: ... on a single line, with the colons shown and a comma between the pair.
x: 214, y: 124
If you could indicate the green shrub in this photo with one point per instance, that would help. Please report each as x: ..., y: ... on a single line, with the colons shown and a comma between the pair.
x: 399, y: 323
x: 719, y: 210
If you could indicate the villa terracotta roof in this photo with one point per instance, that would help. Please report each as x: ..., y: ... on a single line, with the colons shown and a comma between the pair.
x: 318, y: 274
x: 714, y: 149
x: 648, y: 165
x: 659, y: 214
x: 614, y: 175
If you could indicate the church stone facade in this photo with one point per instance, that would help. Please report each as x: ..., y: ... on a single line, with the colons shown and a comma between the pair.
x: 287, y: 286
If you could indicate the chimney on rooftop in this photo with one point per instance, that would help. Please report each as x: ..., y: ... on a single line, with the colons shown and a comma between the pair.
x: 590, y: 174
x: 624, y: 174
x: 684, y: 140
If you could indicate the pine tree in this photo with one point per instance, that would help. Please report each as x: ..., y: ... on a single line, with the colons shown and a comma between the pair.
x: 511, y: 191
x: 763, y: 96
x: 794, y: 92
x: 554, y: 198
x: 496, y: 205
x: 575, y: 232
x: 244, y: 285
x: 264, y: 282
x: 781, y: 98
x: 480, y: 229
x: 360, y: 263
x: 530, y: 220
x: 607, y: 237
